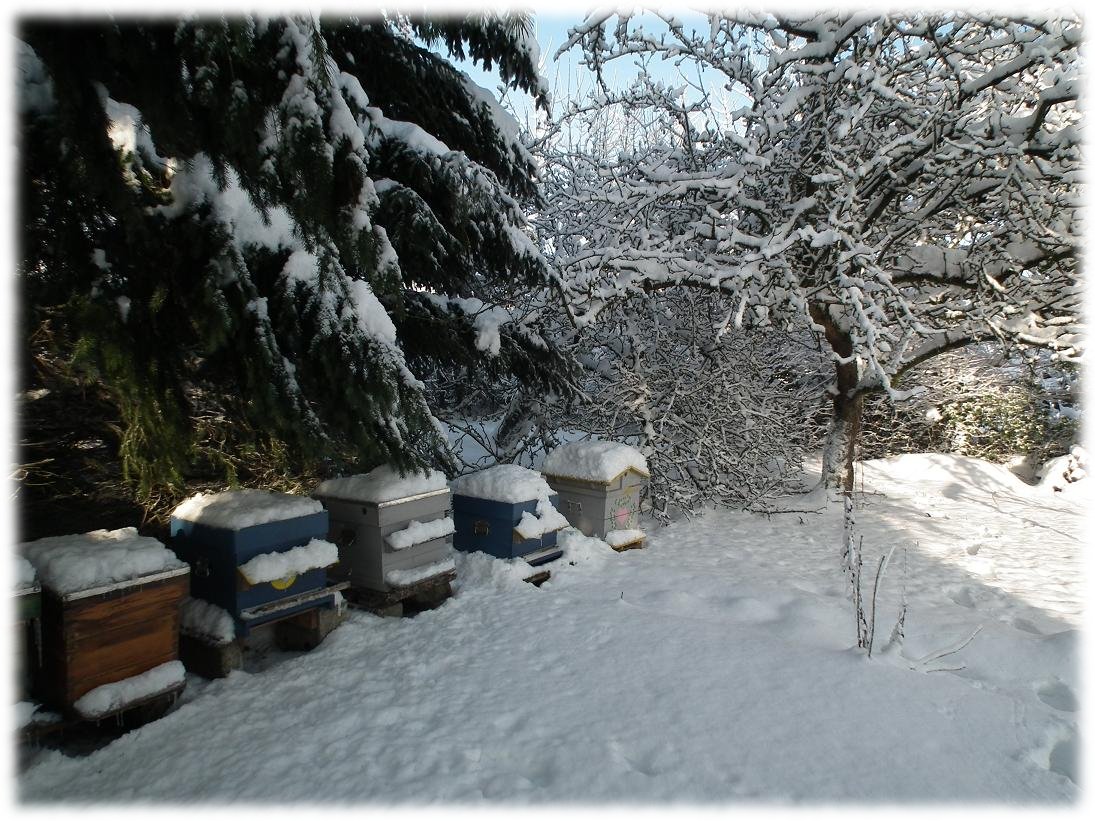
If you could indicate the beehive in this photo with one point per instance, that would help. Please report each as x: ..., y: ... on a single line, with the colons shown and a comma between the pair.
x: 232, y: 539
x: 599, y: 486
x: 392, y: 532
x: 109, y: 620
x: 28, y: 623
x: 506, y: 511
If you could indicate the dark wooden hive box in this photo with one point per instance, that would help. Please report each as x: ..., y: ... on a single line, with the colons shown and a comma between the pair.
x: 107, y: 634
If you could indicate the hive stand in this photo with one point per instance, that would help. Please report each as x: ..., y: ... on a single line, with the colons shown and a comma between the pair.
x: 299, y: 631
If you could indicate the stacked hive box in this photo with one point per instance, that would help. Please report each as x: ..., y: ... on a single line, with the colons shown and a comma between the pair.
x: 506, y: 511
x: 394, y: 535
x: 599, y: 484
x: 28, y: 611
x: 259, y: 556
x: 110, y: 621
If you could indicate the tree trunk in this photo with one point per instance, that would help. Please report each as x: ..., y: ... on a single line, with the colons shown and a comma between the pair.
x: 838, y: 459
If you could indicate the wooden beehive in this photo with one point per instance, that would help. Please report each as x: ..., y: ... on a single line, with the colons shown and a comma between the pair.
x: 215, y: 553
x: 108, y: 631
x: 492, y: 525
x: 367, y: 531
x: 28, y: 631
x: 594, y: 501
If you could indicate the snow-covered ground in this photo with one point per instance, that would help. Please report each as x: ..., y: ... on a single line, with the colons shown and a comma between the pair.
x: 716, y: 665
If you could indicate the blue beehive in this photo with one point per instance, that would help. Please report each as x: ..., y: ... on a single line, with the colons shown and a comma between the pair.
x: 215, y: 544
x: 492, y: 525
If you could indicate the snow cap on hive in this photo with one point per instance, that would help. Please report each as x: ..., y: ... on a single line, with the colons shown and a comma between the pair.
x: 84, y: 561
x: 25, y: 575
x: 381, y: 485
x: 238, y: 509
x: 511, y: 484
x: 594, y: 461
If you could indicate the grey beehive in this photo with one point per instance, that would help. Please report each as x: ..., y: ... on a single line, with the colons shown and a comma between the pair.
x: 362, y: 529
x: 597, y: 495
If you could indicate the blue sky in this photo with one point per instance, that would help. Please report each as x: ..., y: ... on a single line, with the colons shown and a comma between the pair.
x: 566, y: 75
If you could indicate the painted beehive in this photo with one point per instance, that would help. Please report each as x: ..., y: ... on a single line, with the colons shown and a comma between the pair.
x: 392, y: 532
x: 506, y: 511
x: 260, y: 556
x: 109, y: 620
x: 599, y: 485
x: 28, y: 611
x: 28, y: 592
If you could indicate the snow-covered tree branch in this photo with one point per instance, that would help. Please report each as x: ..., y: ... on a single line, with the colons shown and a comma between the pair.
x: 905, y: 185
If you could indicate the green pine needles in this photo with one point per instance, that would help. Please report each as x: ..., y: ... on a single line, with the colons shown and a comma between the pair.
x: 274, y: 214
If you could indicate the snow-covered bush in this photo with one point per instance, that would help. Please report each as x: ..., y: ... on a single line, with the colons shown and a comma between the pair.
x: 866, y: 615
x: 723, y: 417
x: 983, y: 402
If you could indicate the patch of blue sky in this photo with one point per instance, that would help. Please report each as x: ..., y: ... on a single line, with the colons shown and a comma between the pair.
x: 570, y: 79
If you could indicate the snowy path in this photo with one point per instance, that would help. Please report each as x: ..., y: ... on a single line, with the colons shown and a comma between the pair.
x: 713, y: 666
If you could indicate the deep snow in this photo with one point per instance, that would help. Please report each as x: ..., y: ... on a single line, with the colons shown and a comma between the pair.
x: 715, y: 665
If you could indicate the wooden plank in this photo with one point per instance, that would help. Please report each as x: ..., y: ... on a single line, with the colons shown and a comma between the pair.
x: 88, y: 618
x: 261, y: 610
x: 118, y: 657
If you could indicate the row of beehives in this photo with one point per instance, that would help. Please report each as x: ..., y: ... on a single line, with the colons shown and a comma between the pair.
x: 118, y: 608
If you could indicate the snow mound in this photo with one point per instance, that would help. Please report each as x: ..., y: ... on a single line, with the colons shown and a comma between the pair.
x: 594, y: 461
x: 419, y: 532
x: 910, y: 468
x: 269, y: 567
x: 118, y: 695
x: 207, y: 621
x: 481, y: 571
x: 239, y: 509
x: 1065, y: 472
x: 381, y: 485
x: 503, y: 483
x: 71, y: 564
x: 582, y: 555
x: 546, y: 520
x: 414, y: 575
x: 618, y: 538
x: 24, y: 573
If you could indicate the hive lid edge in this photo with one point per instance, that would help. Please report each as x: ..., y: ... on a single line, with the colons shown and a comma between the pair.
x: 107, y: 588
x: 388, y: 503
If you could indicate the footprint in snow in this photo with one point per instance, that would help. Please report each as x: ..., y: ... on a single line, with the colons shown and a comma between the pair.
x: 639, y: 761
x: 1058, y: 695
x: 962, y: 596
x: 1064, y: 759
x: 1027, y: 626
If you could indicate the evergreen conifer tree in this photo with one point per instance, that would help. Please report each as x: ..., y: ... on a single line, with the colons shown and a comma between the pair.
x: 294, y: 217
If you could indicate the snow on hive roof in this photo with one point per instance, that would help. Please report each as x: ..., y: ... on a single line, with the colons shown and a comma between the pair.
x: 24, y: 573
x: 71, y: 564
x: 503, y: 483
x: 237, y: 509
x: 382, y: 485
x: 594, y: 461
